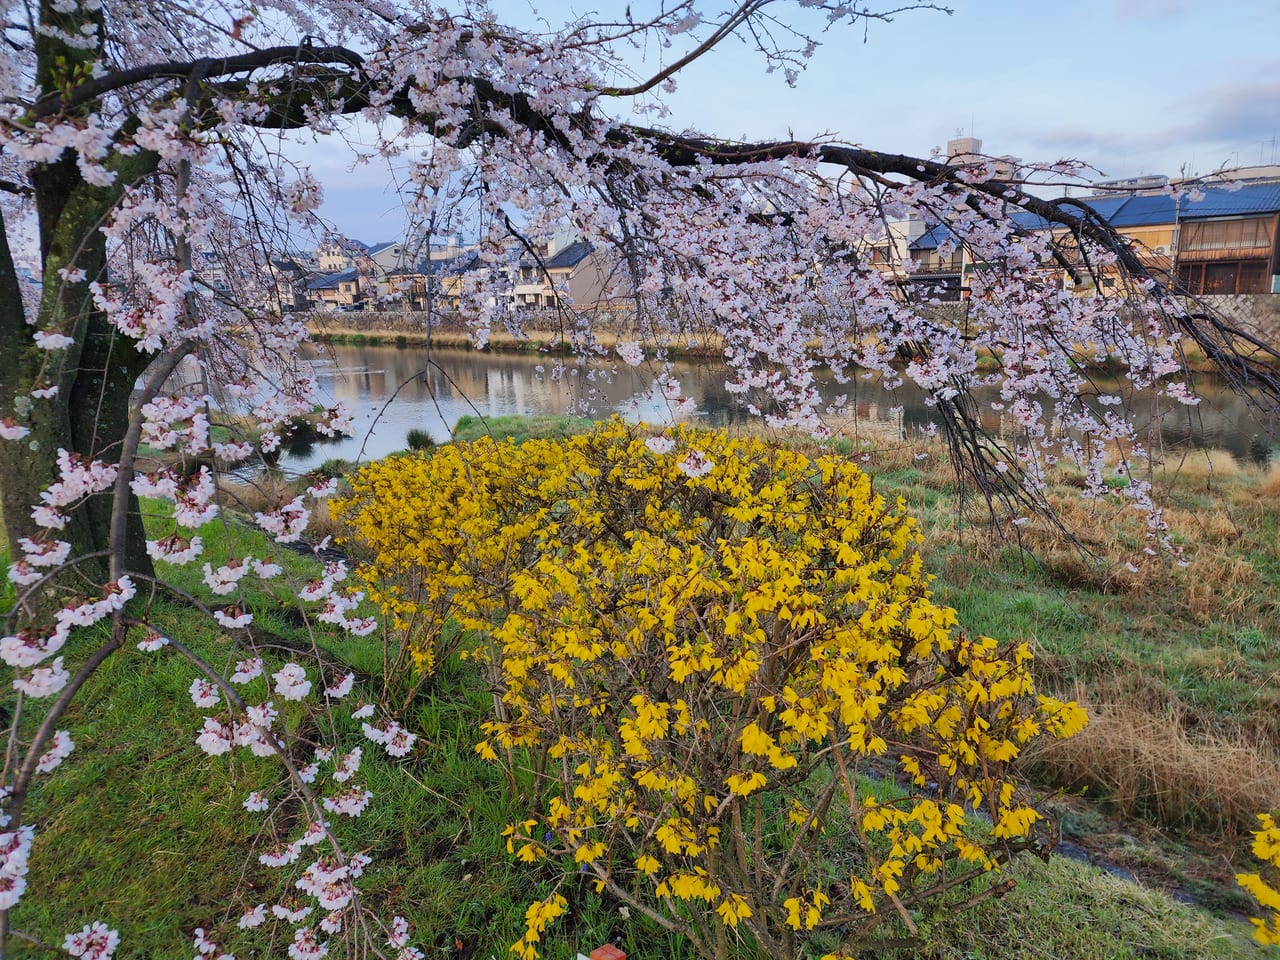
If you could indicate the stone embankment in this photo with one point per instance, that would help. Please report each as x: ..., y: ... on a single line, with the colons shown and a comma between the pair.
x: 1255, y: 314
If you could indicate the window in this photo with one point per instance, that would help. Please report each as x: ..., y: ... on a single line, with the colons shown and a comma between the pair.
x: 1226, y: 278
x: 1210, y: 235
x: 1220, y: 278
x: 1253, y: 277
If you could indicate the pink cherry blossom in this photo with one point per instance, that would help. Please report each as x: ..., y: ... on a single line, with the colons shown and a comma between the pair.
x: 306, y: 946
x: 204, y: 693
x: 348, y: 765
x: 43, y: 681
x: 202, y: 943
x: 332, y: 923
x: 399, y: 935
x: 23, y: 573
x: 266, y: 569
x: 631, y: 352
x: 279, y: 856
x: 15, y: 850
x: 247, y: 670
x: 290, y: 911
x: 350, y: 802
x: 10, y: 429
x: 233, y: 618
x: 214, y: 738
x: 291, y: 682
x: 340, y: 689
x: 175, y: 549
x: 153, y: 642
x: 59, y: 749
x: 27, y: 648
x: 95, y: 942
x: 326, y: 488
x: 223, y: 580
x: 695, y: 464
x: 46, y: 340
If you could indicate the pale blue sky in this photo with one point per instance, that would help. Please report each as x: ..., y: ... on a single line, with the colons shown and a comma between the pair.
x: 1128, y: 86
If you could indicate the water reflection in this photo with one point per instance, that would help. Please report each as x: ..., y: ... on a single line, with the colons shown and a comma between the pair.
x: 393, y: 390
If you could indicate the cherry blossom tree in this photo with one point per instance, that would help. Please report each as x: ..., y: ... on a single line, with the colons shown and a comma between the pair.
x: 140, y: 140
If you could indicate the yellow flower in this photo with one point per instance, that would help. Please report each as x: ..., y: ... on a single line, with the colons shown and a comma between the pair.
x: 732, y: 909
x: 744, y: 784
x: 647, y: 864
x: 648, y: 633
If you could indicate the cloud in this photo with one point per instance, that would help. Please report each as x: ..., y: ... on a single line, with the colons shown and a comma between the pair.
x: 1210, y: 123
x: 1235, y: 112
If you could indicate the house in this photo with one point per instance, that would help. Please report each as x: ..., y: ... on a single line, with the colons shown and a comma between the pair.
x: 1227, y: 241
x: 289, y: 275
x: 1216, y: 240
x: 334, y: 290
x: 577, y: 273
x: 939, y: 263
x: 435, y: 281
x: 1213, y: 239
x: 335, y: 254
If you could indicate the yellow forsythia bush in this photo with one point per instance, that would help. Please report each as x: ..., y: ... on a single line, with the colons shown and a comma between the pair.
x: 1266, y: 847
x: 747, y: 716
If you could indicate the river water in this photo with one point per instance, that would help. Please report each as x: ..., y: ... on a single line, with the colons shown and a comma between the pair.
x: 393, y: 390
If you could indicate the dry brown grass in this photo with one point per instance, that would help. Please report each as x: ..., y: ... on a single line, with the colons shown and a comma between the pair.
x: 1208, y: 526
x: 259, y: 494
x: 266, y: 491
x: 324, y: 524
x: 1217, y: 586
x: 1151, y: 762
x: 1270, y: 485
x: 1200, y: 466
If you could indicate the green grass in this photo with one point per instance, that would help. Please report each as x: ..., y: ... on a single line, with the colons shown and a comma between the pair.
x: 140, y: 829
x: 419, y: 440
x: 548, y: 426
x: 1064, y: 909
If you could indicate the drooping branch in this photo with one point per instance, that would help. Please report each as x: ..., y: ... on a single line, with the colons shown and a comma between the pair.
x: 298, y: 55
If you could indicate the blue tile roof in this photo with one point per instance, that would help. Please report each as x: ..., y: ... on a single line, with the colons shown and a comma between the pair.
x: 931, y: 239
x: 1144, y: 210
x: 1154, y: 209
x: 1259, y: 198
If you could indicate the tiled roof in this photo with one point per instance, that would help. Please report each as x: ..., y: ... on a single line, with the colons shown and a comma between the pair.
x: 1152, y: 209
x: 570, y: 256
x: 329, y: 281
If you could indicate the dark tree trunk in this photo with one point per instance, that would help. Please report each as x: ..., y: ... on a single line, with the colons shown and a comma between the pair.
x: 99, y: 418
x: 94, y: 375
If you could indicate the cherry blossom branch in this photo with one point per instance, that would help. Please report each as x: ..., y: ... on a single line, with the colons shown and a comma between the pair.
x: 161, y: 370
x: 55, y: 103
x: 726, y: 28
x: 234, y: 698
x: 22, y: 781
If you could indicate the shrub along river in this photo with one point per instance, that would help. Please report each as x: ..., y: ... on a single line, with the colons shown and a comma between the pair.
x: 392, y: 390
